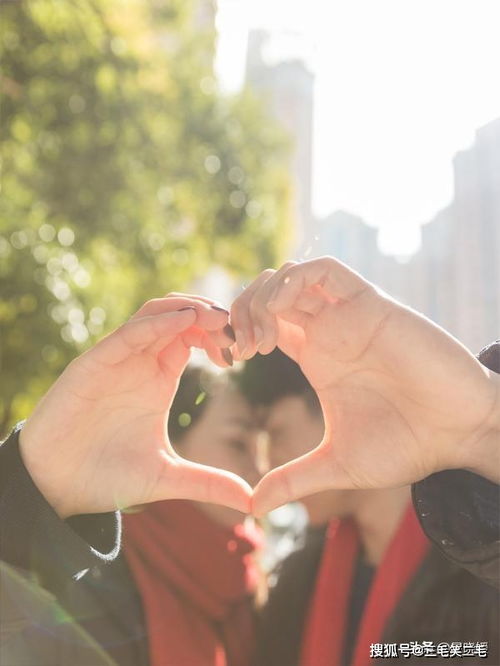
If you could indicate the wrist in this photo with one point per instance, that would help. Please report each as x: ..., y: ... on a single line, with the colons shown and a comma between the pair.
x: 37, y: 470
x: 483, y: 455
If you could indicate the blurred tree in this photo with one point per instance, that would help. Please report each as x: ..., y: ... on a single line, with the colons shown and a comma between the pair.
x: 126, y: 174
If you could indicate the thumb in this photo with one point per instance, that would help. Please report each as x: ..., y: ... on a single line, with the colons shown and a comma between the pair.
x: 309, y: 474
x: 183, y: 479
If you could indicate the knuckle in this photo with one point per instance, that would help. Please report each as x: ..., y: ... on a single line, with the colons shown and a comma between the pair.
x: 256, y: 306
x: 327, y: 261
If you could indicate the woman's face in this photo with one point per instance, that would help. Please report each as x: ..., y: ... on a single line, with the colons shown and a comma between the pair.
x: 225, y: 436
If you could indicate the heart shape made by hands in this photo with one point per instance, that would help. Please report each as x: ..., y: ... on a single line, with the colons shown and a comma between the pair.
x: 401, y: 398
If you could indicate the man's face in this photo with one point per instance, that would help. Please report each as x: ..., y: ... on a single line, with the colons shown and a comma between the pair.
x: 294, y: 429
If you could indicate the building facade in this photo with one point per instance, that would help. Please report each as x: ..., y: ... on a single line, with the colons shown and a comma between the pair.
x: 288, y: 88
x: 454, y: 278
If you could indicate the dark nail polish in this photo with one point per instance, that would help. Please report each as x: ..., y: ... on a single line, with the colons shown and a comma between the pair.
x: 227, y: 356
x: 188, y: 307
x: 216, y: 307
x: 228, y: 330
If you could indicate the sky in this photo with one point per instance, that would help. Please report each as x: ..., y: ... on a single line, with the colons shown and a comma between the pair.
x: 400, y: 87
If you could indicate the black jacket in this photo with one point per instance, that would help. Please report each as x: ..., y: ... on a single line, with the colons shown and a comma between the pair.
x: 453, y: 596
x: 443, y: 603
x: 53, y: 569
x: 68, y: 597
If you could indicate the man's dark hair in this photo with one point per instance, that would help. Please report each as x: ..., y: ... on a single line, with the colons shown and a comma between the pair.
x: 266, y: 379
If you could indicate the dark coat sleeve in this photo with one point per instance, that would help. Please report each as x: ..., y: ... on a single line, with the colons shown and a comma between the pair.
x: 67, y: 598
x: 34, y: 628
x: 460, y: 511
x: 33, y: 537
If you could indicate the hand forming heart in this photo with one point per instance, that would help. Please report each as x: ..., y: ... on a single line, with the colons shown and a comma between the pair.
x: 98, y: 439
x: 400, y: 397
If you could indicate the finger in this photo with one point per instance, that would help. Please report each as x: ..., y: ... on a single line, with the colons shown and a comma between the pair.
x: 299, y: 478
x: 310, y: 301
x: 221, y: 356
x: 265, y: 328
x: 291, y: 339
x: 202, y: 299
x: 197, y: 337
x: 210, y: 316
x: 240, y: 315
x: 223, y: 337
x: 334, y: 278
x: 173, y: 358
x: 184, y: 479
x: 138, y: 334
x: 297, y: 317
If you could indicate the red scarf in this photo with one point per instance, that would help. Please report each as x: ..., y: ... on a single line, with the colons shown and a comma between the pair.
x: 326, y: 621
x: 196, y: 580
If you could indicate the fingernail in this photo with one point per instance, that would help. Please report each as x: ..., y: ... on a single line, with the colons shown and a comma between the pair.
x: 228, y: 330
x: 227, y: 356
x: 216, y: 307
x: 258, y: 335
x: 188, y: 307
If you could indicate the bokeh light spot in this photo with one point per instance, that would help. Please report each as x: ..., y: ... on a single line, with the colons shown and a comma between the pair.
x: 212, y: 164
x: 184, y: 419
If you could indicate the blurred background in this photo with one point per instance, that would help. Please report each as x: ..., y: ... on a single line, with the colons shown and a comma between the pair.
x: 158, y: 145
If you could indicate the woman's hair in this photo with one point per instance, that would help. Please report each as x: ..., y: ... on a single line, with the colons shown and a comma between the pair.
x: 196, y: 388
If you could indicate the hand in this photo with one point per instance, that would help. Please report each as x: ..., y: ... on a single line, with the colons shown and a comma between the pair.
x: 98, y: 439
x: 401, y: 398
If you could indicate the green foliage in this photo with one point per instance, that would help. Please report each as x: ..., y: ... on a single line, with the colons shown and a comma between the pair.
x: 125, y: 175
